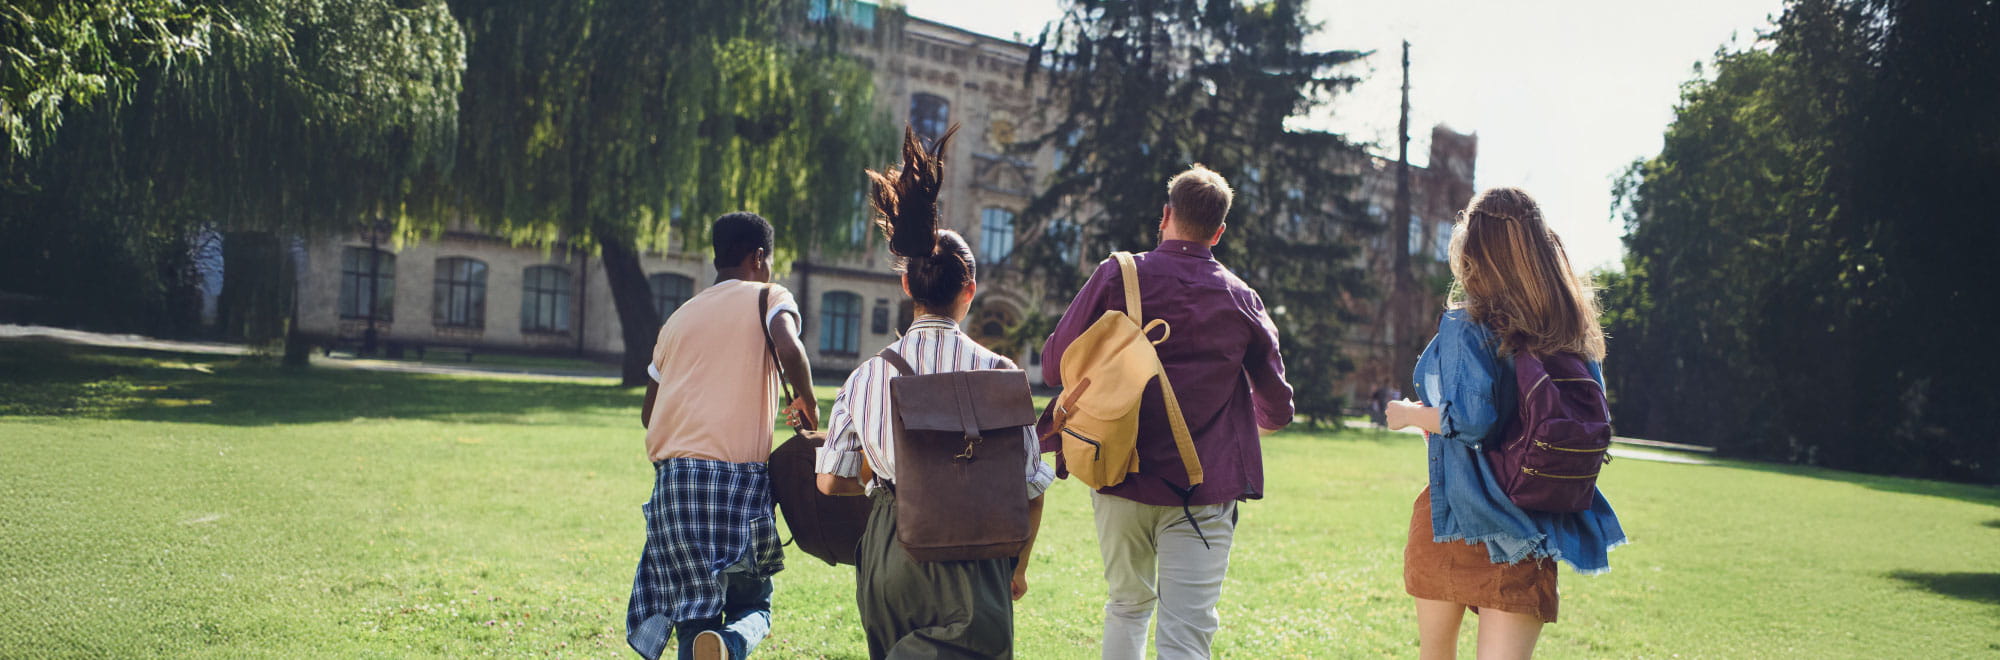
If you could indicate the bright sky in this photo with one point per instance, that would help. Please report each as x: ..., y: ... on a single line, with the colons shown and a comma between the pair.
x: 1563, y: 93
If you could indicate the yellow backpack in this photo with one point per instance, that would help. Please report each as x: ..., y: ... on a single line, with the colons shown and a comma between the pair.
x: 1105, y: 372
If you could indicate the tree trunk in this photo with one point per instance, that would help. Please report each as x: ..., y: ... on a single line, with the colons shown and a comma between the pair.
x: 633, y: 298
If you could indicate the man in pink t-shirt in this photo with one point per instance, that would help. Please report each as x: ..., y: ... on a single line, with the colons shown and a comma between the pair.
x: 711, y: 539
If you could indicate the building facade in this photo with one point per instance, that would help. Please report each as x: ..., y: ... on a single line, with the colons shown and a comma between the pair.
x: 467, y: 289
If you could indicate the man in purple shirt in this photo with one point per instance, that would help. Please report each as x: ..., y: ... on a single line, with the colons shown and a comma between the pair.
x: 1163, y: 544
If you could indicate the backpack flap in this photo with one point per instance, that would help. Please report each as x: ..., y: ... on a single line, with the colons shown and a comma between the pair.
x: 964, y: 402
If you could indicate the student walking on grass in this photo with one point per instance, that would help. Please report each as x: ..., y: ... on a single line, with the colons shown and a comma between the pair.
x: 910, y: 608
x: 1164, y: 532
x: 711, y: 541
x: 1471, y: 546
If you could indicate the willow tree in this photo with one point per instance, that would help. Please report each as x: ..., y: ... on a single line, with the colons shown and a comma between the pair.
x: 620, y: 124
x: 1146, y: 87
x: 300, y: 117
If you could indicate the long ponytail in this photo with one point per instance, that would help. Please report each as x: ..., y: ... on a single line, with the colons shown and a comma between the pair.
x: 936, y: 262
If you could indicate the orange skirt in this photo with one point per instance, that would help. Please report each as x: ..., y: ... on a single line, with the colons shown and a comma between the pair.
x: 1457, y: 572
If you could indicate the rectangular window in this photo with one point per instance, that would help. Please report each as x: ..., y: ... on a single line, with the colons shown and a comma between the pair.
x: 363, y: 279
x: 459, y: 294
x: 840, y: 323
x: 996, y: 235
x: 669, y: 291
x: 545, y: 299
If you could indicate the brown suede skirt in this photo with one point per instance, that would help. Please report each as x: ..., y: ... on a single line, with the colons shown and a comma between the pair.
x: 1457, y: 572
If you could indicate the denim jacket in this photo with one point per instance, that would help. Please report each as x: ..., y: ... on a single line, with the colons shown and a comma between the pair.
x: 1462, y: 375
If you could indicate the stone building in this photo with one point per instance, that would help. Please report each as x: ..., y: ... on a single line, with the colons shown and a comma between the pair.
x: 468, y: 289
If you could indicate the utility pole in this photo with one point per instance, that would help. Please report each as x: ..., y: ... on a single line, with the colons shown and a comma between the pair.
x: 375, y: 230
x: 1402, y: 223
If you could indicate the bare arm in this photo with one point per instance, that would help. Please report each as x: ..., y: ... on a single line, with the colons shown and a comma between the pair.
x: 830, y: 484
x: 646, y: 407
x: 1020, y: 582
x: 1403, y: 414
x: 802, y: 411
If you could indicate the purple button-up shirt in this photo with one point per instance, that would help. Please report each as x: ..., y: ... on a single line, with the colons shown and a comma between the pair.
x: 1222, y: 358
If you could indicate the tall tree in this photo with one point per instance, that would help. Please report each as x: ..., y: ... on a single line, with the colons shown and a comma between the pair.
x: 1142, y: 89
x: 303, y: 116
x: 1807, y: 209
x: 618, y: 124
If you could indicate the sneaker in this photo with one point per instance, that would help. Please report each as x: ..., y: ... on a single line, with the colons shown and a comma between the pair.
x: 709, y: 645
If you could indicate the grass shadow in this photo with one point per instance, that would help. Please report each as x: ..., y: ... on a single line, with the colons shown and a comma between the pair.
x: 1993, y: 523
x: 50, y: 378
x: 1976, y: 587
x: 1977, y: 493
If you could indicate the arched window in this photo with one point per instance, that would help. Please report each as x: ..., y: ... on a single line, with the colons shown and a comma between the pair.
x: 840, y: 323
x: 545, y: 299
x: 929, y: 115
x: 362, y: 281
x: 996, y: 235
x: 669, y: 291
x: 459, y: 297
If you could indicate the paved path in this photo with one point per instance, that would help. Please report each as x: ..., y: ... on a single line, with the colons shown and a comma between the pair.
x: 1622, y: 447
x: 68, y: 336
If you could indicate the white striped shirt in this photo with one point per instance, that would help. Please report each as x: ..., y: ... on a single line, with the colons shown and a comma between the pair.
x: 860, y: 428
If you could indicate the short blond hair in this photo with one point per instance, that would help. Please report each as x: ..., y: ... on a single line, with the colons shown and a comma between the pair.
x: 1200, y: 199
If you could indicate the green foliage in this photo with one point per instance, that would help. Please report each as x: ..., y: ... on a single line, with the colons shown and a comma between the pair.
x: 618, y: 122
x: 60, y: 54
x: 1803, y: 250
x: 1147, y: 87
x: 196, y: 505
x: 298, y: 117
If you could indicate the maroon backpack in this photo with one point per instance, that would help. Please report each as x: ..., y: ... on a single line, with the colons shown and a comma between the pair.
x: 1554, y: 448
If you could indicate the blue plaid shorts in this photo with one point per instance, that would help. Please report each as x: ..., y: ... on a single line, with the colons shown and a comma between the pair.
x: 704, y: 517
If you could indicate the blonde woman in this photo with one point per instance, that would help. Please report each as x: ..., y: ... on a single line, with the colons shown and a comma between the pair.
x: 1470, y: 547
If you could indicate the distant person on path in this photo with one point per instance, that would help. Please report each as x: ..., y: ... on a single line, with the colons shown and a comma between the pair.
x: 1164, y: 546
x: 933, y: 609
x: 1470, y: 546
x: 711, y: 540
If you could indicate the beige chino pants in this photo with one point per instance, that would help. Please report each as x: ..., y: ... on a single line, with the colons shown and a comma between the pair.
x: 1153, y: 560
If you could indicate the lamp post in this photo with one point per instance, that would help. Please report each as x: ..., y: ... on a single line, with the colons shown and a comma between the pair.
x: 374, y: 231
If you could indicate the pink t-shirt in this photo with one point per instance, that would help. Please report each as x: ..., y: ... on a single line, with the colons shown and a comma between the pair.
x: 718, y: 396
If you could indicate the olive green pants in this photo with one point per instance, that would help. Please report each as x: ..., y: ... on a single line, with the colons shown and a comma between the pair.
x: 923, y: 610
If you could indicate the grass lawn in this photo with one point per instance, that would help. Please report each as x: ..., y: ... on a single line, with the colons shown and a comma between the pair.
x: 181, y: 504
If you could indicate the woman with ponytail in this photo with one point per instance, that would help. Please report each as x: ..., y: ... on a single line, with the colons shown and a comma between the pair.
x: 1470, y: 546
x: 911, y: 609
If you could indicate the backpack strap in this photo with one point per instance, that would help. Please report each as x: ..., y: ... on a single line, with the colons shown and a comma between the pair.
x: 1129, y: 272
x: 896, y: 360
x: 1183, y: 440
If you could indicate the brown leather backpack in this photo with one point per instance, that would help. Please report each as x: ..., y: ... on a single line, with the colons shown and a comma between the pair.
x: 825, y: 526
x: 961, y: 485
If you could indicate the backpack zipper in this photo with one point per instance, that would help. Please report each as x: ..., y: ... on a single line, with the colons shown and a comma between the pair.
x: 1538, y: 473
x: 1096, y: 448
x: 1551, y: 447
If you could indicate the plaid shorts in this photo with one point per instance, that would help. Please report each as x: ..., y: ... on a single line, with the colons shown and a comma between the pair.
x: 705, y: 516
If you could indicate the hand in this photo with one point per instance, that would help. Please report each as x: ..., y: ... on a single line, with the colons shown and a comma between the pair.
x: 1019, y: 586
x: 1398, y: 414
x: 1261, y: 431
x: 803, y: 413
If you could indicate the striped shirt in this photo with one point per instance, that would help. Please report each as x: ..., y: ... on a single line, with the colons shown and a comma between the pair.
x: 861, y: 429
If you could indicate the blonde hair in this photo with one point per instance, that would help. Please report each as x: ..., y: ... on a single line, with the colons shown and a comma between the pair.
x: 1200, y: 198
x: 1512, y: 275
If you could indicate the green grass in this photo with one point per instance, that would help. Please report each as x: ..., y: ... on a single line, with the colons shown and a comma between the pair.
x: 164, y: 503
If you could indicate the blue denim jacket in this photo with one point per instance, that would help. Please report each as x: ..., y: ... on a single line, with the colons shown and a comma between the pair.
x: 1462, y: 375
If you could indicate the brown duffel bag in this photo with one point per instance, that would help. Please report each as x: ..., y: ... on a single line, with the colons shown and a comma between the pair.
x: 825, y: 526
x: 961, y: 476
